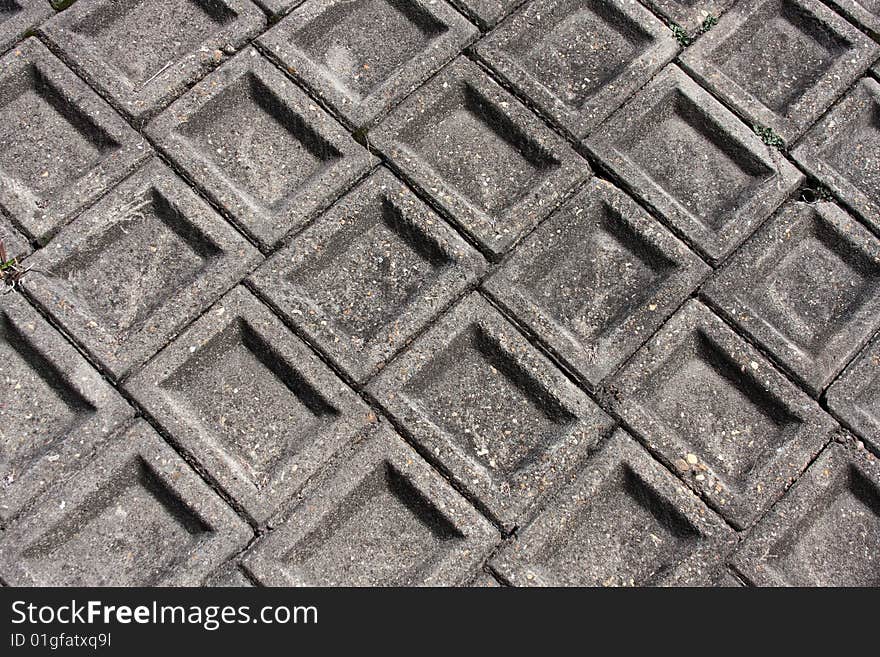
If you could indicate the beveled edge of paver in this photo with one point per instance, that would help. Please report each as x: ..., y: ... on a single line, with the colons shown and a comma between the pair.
x: 724, y: 292
x: 594, y: 362
x: 588, y: 423
x: 361, y: 112
x: 234, y: 258
x: 380, y: 447
x: 361, y: 361
x: 516, y: 561
x: 486, y: 17
x: 228, y: 575
x: 266, y: 225
x: 845, y: 70
x: 109, y: 410
x: 810, y: 150
x: 17, y: 246
x: 277, y: 8
x: 289, y: 476
x: 578, y: 123
x: 142, y: 101
x: 33, y: 12
x: 570, y: 168
x: 72, y: 197
x: 138, y: 441
x: 784, y: 519
x: 765, y: 483
x: 843, y: 395
x: 714, y: 245
x: 689, y: 15
x: 858, y: 14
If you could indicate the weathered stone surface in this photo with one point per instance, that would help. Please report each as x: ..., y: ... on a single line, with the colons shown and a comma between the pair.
x: 332, y: 47
x: 230, y: 575
x: 719, y: 414
x: 855, y: 396
x: 690, y: 15
x: 695, y: 163
x: 136, y: 515
x: 865, y: 13
x: 490, y: 409
x: 480, y: 154
x: 623, y: 520
x: 369, y: 274
x: 806, y: 288
x: 487, y: 13
x: 781, y: 63
x: 578, y: 61
x: 19, y: 17
x: 825, y: 532
x: 16, y: 245
x: 61, y: 146
x: 383, y: 517
x: 259, y: 147
x: 133, y: 270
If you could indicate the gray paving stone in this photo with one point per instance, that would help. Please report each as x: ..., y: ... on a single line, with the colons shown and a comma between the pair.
x: 136, y: 515
x: 623, y: 520
x: 855, y: 396
x: 230, y: 575
x: 484, y: 580
x: 382, y: 518
x: 19, y: 17
x: 250, y: 402
x: 490, y: 409
x: 14, y: 242
x: 843, y: 150
x: 695, y: 163
x: 480, y: 154
x: 781, y: 63
x: 259, y: 147
x: 579, y: 61
x: 332, y: 46
x: 369, y: 274
x: 61, y: 146
x: 719, y: 414
x: 596, y: 304
x: 487, y: 13
x: 865, y: 13
x: 689, y: 14
x: 805, y: 288
x: 825, y: 532
x: 143, y: 54
x: 133, y: 270
x: 277, y: 8
x: 55, y: 410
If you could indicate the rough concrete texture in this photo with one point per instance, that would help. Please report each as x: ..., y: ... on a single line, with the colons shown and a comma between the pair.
x: 447, y: 292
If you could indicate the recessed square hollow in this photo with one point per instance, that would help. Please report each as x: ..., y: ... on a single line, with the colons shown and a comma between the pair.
x: 476, y: 392
x: 342, y: 39
x: 48, y: 141
x: 184, y: 25
x: 679, y: 140
x: 779, y: 54
x: 248, y: 399
x: 838, y: 542
x: 718, y: 411
x: 367, y: 274
x: 479, y: 151
x: 258, y: 142
x: 148, y: 252
x: 580, y: 67
x: 385, y: 532
x: 38, y: 406
x: 134, y: 530
x: 855, y: 153
x: 626, y: 534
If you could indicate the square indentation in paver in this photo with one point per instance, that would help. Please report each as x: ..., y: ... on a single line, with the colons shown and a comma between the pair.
x: 781, y: 63
x: 61, y: 146
x: 135, y: 516
x: 807, y: 287
x: 492, y: 410
x: 259, y: 147
x: 369, y: 274
x: 168, y: 45
x: 383, y: 517
x: 578, y: 61
x: 825, y: 531
x: 596, y: 304
x: 18, y: 17
x: 689, y: 14
x: 716, y: 411
x: 692, y: 160
x: 331, y: 46
x: 855, y: 396
x: 137, y: 267
x: 622, y: 521
x: 252, y: 404
x: 843, y: 150
x: 54, y: 408
x: 480, y: 154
